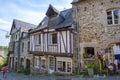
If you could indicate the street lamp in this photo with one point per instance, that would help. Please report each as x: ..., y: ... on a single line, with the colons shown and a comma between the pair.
x: 7, y: 35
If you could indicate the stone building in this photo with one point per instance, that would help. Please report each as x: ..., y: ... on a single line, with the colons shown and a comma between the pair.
x: 24, y: 50
x: 19, y: 42
x: 99, y: 28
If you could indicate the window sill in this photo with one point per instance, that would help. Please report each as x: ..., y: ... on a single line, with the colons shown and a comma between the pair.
x: 87, y: 59
x: 110, y: 25
x: 52, y: 44
x: 37, y: 44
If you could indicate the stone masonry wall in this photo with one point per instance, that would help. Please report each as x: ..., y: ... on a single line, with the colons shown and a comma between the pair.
x: 93, y: 25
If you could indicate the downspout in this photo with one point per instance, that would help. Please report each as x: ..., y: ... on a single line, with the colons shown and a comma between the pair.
x: 19, y: 48
x: 78, y: 41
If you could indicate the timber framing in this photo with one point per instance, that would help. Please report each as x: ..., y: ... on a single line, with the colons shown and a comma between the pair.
x: 36, y: 53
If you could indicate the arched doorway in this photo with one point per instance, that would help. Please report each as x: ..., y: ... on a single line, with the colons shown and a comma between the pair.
x: 27, y: 63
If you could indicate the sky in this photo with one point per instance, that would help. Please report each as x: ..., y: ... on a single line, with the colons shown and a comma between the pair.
x: 31, y: 11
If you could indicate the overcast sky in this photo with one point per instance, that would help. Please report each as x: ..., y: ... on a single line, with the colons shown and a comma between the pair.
x: 31, y: 11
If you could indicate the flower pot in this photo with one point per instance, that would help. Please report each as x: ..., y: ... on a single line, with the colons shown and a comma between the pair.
x: 90, y: 71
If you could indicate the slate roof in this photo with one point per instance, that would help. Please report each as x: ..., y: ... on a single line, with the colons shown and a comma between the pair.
x: 23, y: 25
x: 67, y: 19
x: 62, y: 20
x: 75, y: 1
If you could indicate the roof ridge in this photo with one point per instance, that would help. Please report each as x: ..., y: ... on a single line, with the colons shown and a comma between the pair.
x: 66, y: 10
x: 23, y: 22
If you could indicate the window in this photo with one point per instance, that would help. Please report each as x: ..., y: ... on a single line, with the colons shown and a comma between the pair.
x: 89, y: 51
x: 68, y: 66
x: 51, y: 63
x: 36, y: 62
x: 16, y: 36
x: 28, y: 46
x: 22, y: 60
x: 37, y: 39
x: 60, y: 68
x: 52, y: 39
x: 64, y: 66
x: 43, y: 64
x: 22, y: 46
x: 113, y: 16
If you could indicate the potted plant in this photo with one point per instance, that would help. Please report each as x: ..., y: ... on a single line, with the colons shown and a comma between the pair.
x: 85, y: 55
x: 90, y: 69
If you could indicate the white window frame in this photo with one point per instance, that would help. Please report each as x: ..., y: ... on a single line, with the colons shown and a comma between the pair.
x: 36, y: 62
x: 37, y: 37
x: 66, y: 60
x: 69, y: 65
x: 113, y: 19
x: 50, y: 41
x: 43, y: 64
x: 52, y: 64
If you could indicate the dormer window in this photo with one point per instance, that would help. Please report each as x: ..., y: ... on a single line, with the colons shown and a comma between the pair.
x: 113, y: 16
x: 52, y: 12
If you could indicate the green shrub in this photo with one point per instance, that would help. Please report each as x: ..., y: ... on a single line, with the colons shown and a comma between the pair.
x: 85, y: 55
x: 27, y: 71
x: 91, y: 65
x: 1, y: 65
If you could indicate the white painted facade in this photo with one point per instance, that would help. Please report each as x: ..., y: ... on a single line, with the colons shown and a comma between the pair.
x: 64, y: 42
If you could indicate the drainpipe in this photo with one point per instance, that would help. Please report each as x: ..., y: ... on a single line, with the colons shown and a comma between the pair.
x: 19, y: 48
x: 78, y: 41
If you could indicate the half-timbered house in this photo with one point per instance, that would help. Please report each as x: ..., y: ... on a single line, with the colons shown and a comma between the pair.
x: 51, y: 43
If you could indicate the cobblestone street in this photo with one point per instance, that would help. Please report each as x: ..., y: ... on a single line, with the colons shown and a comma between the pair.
x: 19, y: 76
x: 16, y: 76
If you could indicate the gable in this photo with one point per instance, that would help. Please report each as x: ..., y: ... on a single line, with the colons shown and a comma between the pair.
x: 52, y: 12
x: 24, y: 26
x: 13, y: 29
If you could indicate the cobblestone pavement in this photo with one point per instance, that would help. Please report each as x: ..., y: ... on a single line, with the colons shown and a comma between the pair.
x: 16, y: 76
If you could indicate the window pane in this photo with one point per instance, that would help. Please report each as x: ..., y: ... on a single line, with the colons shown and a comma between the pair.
x: 109, y: 17
x: 51, y: 63
x: 116, y: 15
x: 54, y: 38
x: 28, y: 48
x: 39, y: 39
x: 89, y: 51
x: 43, y: 64
x: 64, y: 67
x: 68, y: 66
x: 59, y: 64
x: 35, y: 39
x: 36, y: 62
x: 22, y: 47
